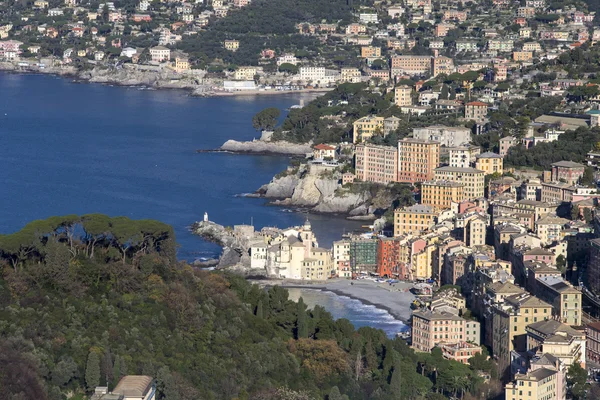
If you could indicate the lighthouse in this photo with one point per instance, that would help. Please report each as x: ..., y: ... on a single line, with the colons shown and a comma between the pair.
x: 205, y: 216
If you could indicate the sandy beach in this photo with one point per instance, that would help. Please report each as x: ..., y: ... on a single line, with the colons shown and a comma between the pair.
x: 395, y: 299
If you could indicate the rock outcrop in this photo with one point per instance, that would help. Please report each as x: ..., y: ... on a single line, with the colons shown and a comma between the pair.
x: 261, y: 147
x: 319, y: 189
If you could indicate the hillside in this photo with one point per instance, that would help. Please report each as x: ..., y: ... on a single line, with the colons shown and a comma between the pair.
x: 85, y: 294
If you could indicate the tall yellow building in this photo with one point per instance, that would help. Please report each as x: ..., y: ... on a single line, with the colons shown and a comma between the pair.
x: 441, y: 194
x: 232, y: 45
x: 473, y: 179
x: 414, y: 219
x: 490, y: 163
x: 367, y: 127
x: 541, y: 384
x: 403, y: 95
x: 370, y: 52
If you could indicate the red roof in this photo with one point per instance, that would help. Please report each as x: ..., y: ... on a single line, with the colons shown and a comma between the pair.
x: 324, y: 147
x: 477, y: 104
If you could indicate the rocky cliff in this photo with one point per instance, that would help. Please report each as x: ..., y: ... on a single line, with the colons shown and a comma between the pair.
x: 262, y: 147
x: 320, y: 190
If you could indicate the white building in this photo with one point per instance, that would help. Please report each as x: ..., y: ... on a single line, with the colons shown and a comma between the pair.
x: 449, y: 136
x: 287, y: 59
x: 160, y: 54
x: 368, y: 18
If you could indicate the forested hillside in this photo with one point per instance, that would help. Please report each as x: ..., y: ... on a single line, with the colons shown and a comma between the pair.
x: 86, y: 300
x: 264, y: 24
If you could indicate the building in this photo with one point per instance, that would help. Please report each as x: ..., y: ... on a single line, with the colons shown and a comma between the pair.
x: 349, y: 74
x: 472, y: 179
x: 463, y: 156
x: 387, y: 257
x: 475, y: 231
x: 135, y: 387
x: 370, y: 52
x: 430, y: 328
x: 567, y: 171
x: 592, y: 342
x: 403, y: 95
x: 312, y: 74
x: 182, y: 64
x: 341, y: 258
x: 522, y: 56
x: 323, y: 151
x: 460, y: 351
x: 417, y: 160
x: 390, y: 124
x: 449, y: 136
x: 506, y: 143
x: 565, y: 299
x: 490, y: 163
x: 411, y: 65
x: 287, y: 59
x: 476, y: 111
x: 376, y: 163
x: 540, y: 384
x: 441, y: 194
x: 550, y: 229
x: 592, y: 272
x: 245, y: 74
x: 367, y: 127
x: 368, y: 18
x: 160, y: 54
x: 414, y: 219
x: 557, y: 192
x: 232, y: 45
x: 442, y: 65
x: 363, y: 256
x: 560, y: 340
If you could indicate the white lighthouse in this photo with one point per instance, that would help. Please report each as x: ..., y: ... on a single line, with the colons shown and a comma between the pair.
x: 205, y: 216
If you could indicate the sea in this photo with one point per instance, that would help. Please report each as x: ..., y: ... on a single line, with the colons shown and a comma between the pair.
x: 71, y: 148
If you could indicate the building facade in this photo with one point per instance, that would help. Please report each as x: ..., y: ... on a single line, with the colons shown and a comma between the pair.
x: 376, y: 163
x: 417, y: 160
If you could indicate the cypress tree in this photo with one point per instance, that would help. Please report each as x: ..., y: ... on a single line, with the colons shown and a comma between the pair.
x: 92, y: 371
x: 302, y: 327
x: 334, y: 394
x: 259, y: 310
x: 396, y: 382
x: 116, y: 371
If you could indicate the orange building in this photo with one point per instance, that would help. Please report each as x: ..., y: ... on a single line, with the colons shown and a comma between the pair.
x: 387, y: 257
x: 417, y: 160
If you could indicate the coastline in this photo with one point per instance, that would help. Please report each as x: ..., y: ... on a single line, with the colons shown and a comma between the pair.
x: 151, y: 81
x: 396, y: 303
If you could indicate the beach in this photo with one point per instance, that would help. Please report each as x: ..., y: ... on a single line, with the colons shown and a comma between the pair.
x: 396, y: 299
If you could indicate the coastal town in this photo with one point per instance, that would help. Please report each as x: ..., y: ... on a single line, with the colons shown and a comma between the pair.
x: 465, y: 135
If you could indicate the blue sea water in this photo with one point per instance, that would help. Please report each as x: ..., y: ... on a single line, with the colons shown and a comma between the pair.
x: 345, y: 307
x: 70, y: 148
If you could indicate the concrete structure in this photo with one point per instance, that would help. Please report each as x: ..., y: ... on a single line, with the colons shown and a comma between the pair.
x: 472, y: 179
x: 160, y: 54
x: 463, y: 156
x: 430, y: 328
x: 376, y: 163
x: 441, y: 194
x: 490, y: 163
x: 414, y: 219
x: 367, y: 127
x: 363, y: 255
x: 567, y: 171
x: 403, y: 95
x: 417, y: 160
x: 476, y: 110
x: 446, y: 135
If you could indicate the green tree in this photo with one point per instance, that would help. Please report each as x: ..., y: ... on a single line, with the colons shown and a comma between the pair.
x: 301, y: 324
x: 92, y: 371
x: 288, y: 68
x: 266, y: 119
x: 116, y: 371
x: 334, y: 394
x: 587, y: 179
x: 259, y: 310
x: 396, y: 381
x: 561, y: 264
x: 576, y: 380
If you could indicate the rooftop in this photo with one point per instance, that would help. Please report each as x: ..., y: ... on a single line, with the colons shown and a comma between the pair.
x: 567, y: 164
x: 458, y: 169
x: 489, y: 154
x: 133, y: 385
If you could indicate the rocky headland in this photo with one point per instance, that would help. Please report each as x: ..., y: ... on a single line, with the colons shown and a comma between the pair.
x: 319, y: 189
x: 264, y: 147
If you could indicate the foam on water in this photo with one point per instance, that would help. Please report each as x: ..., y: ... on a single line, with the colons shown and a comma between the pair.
x: 355, y: 311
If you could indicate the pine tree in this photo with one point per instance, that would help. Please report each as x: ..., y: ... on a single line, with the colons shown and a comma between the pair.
x: 92, y: 371
x: 396, y: 382
x: 302, y: 326
x: 259, y: 310
x: 334, y: 394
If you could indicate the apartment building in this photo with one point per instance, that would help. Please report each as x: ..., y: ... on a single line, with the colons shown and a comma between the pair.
x: 563, y: 342
x: 370, y: 52
x: 245, y: 73
x: 476, y: 110
x: 414, y: 219
x: 592, y: 342
x: 312, y: 74
x: 540, y: 384
x: 376, y: 163
x: 349, y: 74
x: 557, y: 192
x: 506, y: 143
x: 463, y: 156
x: 449, y: 136
x: 417, y: 160
x: 441, y: 194
x: 367, y: 127
x: 472, y: 179
x: 232, y: 45
x: 387, y: 257
x: 430, y: 328
x: 490, y: 163
x: 567, y: 171
x: 442, y: 65
x: 403, y: 95
x: 160, y: 54
x: 341, y: 258
x: 565, y: 299
x: 411, y: 65
x: 460, y: 351
x: 510, y: 320
x: 522, y: 56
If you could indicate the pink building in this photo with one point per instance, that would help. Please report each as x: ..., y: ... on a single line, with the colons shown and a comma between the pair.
x: 376, y: 163
x: 430, y: 328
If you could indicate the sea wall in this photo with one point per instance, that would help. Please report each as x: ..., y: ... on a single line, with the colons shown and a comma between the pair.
x: 261, y: 147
